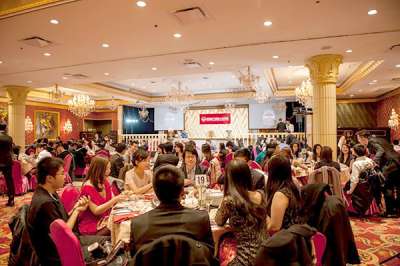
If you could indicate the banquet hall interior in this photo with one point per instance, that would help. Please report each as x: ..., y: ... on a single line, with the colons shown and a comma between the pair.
x: 199, y: 132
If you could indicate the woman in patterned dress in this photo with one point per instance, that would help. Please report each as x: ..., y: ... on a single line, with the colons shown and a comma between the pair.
x: 246, y: 211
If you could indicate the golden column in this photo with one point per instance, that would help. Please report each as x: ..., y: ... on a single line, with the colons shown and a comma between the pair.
x: 324, y: 70
x: 16, y: 112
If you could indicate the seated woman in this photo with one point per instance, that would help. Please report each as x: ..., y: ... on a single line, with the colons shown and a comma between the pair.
x: 326, y: 159
x: 190, y: 166
x: 295, y: 150
x: 283, y: 197
x: 138, y: 179
x: 316, y: 154
x: 46, y: 207
x: 245, y: 210
x: 345, y: 156
x: 98, y: 190
x: 179, y: 153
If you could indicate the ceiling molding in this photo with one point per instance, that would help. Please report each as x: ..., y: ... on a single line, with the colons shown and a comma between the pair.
x: 358, y: 74
x: 10, y: 8
x: 271, y: 80
x: 371, y: 100
x: 389, y: 94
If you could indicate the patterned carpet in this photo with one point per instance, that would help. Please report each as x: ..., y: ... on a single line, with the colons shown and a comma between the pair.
x: 376, y: 238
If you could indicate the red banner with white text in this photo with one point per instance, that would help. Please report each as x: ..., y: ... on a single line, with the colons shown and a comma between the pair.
x: 207, y: 119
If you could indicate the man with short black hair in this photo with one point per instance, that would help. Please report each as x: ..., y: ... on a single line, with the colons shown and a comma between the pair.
x: 168, y: 157
x: 117, y: 160
x: 170, y: 217
x: 373, y: 146
x: 46, y: 207
x: 257, y: 176
x: 281, y: 126
x: 6, y: 160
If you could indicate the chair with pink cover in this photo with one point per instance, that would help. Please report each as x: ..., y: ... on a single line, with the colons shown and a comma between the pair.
x: 21, y: 183
x: 67, y: 244
x: 319, y: 241
x: 67, y: 166
x: 33, y: 182
x: 3, y: 185
x: 228, y: 158
x: 69, y: 196
x: 254, y: 165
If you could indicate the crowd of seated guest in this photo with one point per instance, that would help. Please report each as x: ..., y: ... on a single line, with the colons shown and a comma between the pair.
x: 258, y: 201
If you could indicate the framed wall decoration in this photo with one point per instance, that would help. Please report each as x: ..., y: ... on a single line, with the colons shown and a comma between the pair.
x: 47, y: 124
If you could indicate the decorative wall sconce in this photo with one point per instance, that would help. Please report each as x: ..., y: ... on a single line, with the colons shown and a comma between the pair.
x: 68, y: 127
x: 393, y: 122
x: 28, y: 124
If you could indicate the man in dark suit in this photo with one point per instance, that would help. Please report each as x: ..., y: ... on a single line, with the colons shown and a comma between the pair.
x: 170, y: 217
x: 6, y: 162
x: 257, y: 176
x: 281, y: 126
x: 168, y: 157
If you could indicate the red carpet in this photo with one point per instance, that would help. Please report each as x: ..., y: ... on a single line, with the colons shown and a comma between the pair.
x: 376, y: 238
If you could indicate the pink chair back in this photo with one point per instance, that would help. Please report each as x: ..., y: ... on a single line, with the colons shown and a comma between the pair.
x: 33, y: 183
x: 254, y: 165
x: 67, y: 244
x: 228, y: 158
x: 319, y: 241
x: 69, y: 196
x: 67, y: 166
x: 3, y: 185
x: 20, y: 185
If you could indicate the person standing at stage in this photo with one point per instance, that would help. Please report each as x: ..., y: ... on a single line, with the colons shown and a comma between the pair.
x: 281, y: 126
x: 6, y: 162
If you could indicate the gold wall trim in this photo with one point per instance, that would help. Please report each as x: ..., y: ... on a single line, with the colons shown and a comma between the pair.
x: 371, y: 100
x: 389, y: 94
x: 10, y: 8
x: 362, y: 70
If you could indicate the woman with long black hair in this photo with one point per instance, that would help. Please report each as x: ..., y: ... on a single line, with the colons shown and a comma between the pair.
x: 245, y: 210
x: 283, y: 197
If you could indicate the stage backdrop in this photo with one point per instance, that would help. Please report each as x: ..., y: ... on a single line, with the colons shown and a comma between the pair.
x: 132, y: 124
x: 216, y: 121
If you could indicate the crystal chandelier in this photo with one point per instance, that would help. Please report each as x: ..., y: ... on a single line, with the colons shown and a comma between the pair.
x: 55, y: 94
x: 304, y: 93
x: 68, y: 126
x: 179, y: 97
x: 261, y: 95
x: 248, y: 81
x: 28, y: 124
x: 81, y: 105
x: 393, y: 120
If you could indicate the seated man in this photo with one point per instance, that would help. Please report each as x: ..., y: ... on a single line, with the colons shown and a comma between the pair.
x: 257, y: 175
x: 168, y: 157
x: 46, y: 207
x: 170, y: 217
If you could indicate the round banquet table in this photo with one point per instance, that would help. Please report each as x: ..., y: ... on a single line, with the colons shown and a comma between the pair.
x: 119, y: 222
x: 302, y: 174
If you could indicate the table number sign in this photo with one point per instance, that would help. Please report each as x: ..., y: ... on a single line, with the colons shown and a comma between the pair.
x: 201, y: 181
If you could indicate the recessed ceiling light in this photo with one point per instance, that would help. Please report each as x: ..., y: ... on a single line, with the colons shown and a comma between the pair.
x: 133, y: 84
x: 375, y: 81
x: 275, y: 56
x: 177, y: 35
x: 267, y: 23
x: 398, y: 65
x: 360, y: 90
x: 372, y: 12
x: 141, y: 3
x: 105, y: 45
x: 154, y: 68
x: 211, y: 63
x: 106, y: 74
x: 29, y: 81
x: 54, y: 21
x: 64, y: 77
x: 351, y: 95
x: 1, y: 62
x: 47, y: 54
x: 349, y: 51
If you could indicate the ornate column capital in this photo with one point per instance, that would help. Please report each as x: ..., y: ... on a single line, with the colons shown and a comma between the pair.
x: 324, y: 68
x: 17, y: 94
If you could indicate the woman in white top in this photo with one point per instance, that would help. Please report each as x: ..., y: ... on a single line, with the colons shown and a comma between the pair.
x: 139, y: 178
x: 360, y: 164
